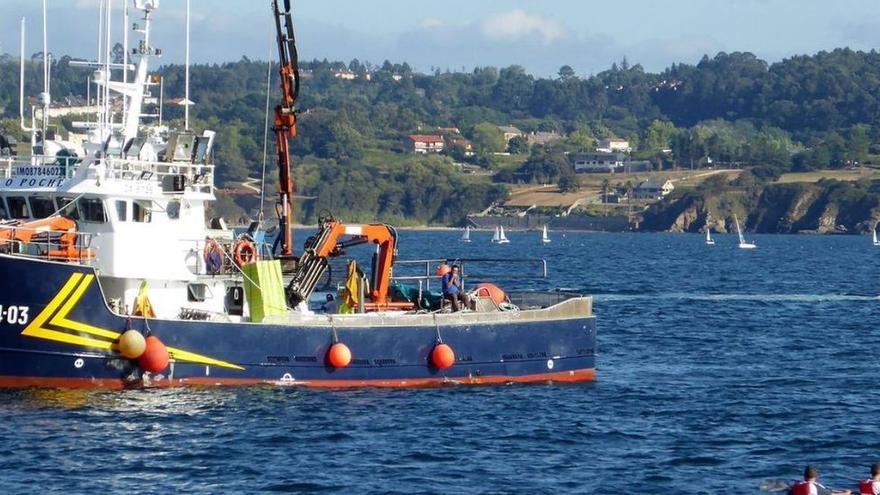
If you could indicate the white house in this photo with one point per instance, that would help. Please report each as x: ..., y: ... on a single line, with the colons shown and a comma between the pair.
x: 424, y: 144
x: 614, y: 145
x: 598, y: 162
x: 654, y: 190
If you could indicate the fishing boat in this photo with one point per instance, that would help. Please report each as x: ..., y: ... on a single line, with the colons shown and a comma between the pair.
x: 709, y: 240
x: 544, y: 237
x: 743, y: 244
x: 113, y: 280
x: 466, y: 236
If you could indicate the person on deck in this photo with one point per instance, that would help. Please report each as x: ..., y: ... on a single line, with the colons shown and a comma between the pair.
x: 452, y: 290
x: 330, y: 307
x: 871, y: 486
x: 811, y: 485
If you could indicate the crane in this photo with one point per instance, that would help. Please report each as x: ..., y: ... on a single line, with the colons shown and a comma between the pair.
x: 285, y: 122
x: 332, y: 239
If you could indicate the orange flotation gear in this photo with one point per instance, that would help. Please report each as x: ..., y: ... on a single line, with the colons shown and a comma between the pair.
x: 244, y: 252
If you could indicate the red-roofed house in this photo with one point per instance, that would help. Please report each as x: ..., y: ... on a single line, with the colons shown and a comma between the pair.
x: 424, y: 143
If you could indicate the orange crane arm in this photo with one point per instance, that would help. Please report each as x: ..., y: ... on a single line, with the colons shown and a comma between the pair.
x: 285, y: 121
x: 331, y: 240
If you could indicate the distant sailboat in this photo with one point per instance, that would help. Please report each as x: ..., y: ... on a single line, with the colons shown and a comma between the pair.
x: 742, y: 240
x: 544, y: 237
x: 709, y: 240
x: 503, y: 238
x: 876, y: 242
x: 466, y: 237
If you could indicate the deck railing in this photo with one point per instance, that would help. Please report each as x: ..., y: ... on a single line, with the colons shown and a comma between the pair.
x: 47, y: 244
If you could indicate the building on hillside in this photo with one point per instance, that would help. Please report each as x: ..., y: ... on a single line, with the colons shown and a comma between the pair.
x: 654, y: 190
x: 598, y: 162
x: 510, y: 132
x: 613, y: 145
x: 460, y: 142
x: 541, y: 138
x: 424, y: 143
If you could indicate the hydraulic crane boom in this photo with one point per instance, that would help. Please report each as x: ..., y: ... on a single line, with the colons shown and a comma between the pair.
x: 285, y: 121
x: 330, y: 241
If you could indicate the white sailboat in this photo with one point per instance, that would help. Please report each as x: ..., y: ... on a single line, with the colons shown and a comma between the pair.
x: 709, y: 240
x: 466, y: 237
x: 544, y: 237
x: 876, y: 242
x: 503, y: 239
x: 742, y: 240
x: 496, y: 237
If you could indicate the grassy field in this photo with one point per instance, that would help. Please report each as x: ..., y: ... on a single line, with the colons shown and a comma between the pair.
x: 842, y: 175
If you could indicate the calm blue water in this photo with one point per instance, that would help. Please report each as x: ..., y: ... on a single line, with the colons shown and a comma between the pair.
x: 718, y: 369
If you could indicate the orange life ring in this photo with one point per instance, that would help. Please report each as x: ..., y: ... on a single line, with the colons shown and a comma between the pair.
x: 245, y: 252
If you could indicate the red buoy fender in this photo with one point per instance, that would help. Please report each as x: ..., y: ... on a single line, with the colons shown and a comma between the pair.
x: 155, y: 357
x: 339, y: 355
x: 442, y: 357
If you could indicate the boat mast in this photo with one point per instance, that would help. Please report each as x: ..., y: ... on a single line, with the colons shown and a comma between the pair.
x: 285, y: 121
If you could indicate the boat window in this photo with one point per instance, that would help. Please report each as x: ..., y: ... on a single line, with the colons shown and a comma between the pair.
x: 3, y: 213
x: 122, y: 210
x: 173, y: 210
x: 42, y: 207
x: 92, y: 210
x: 67, y: 208
x: 18, y: 207
x: 140, y: 211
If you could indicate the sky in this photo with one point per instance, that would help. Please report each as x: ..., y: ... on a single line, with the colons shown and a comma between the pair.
x: 541, y: 35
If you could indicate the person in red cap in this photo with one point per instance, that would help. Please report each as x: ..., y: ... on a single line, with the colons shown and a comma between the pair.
x: 871, y: 486
x: 811, y: 485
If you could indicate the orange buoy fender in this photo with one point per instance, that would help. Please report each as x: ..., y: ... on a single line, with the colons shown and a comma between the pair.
x: 442, y: 357
x: 155, y: 357
x: 443, y: 269
x: 132, y: 344
x: 339, y: 355
x: 492, y: 291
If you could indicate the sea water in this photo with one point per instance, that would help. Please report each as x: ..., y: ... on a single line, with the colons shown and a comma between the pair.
x: 718, y: 369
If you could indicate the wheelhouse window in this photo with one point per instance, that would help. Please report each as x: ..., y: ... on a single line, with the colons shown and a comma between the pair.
x: 92, y: 210
x: 122, y: 210
x: 173, y: 210
x: 141, y: 212
x: 42, y: 207
x: 18, y: 207
x: 67, y: 207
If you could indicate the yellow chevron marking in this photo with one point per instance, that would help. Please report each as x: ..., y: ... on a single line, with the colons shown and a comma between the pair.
x: 66, y: 299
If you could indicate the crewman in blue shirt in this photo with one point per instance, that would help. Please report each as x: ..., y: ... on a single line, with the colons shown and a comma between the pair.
x: 452, y: 290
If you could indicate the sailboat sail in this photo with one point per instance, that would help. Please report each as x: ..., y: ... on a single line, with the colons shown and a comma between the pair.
x: 876, y: 243
x: 503, y: 238
x: 544, y: 237
x: 496, y: 237
x: 466, y: 237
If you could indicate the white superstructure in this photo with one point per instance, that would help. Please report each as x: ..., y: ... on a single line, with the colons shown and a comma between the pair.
x: 139, y: 188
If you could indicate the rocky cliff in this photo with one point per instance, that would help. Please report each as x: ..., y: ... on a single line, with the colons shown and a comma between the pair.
x: 827, y: 206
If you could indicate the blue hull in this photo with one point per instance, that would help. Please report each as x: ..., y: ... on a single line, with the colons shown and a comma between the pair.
x: 61, y: 334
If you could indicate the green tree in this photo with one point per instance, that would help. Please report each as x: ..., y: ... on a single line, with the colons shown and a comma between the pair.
x: 487, y: 138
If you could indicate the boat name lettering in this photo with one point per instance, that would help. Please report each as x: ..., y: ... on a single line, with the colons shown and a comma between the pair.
x: 44, y: 182
x: 15, y: 315
x: 511, y: 356
x: 537, y: 354
x: 31, y: 171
